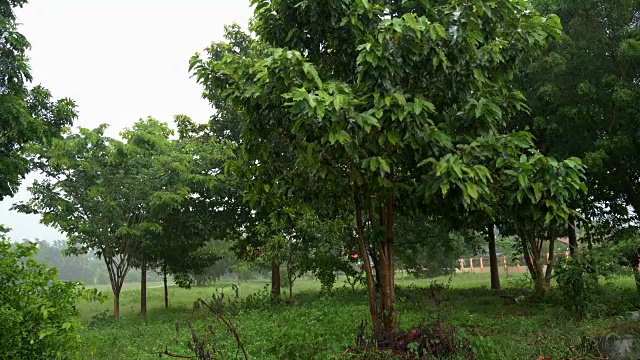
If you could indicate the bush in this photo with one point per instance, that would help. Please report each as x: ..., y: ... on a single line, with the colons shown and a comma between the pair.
x: 37, y: 311
x: 578, y: 282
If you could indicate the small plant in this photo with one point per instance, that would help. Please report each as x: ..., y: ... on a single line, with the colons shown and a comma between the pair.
x: 205, y: 347
x: 354, y: 279
x: 578, y: 282
x: 37, y: 311
x: 439, y: 339
x: 261, y: 299
x: 435, y: 292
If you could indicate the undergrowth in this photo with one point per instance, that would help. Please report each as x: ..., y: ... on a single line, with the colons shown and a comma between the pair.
x: 464, y: 312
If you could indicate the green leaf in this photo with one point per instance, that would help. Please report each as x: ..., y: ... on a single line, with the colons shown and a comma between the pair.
x: 537, y: 188
x: 384, y: 166
x: 522, y: 180
x: 373, y: 164
x: 554, y: 21
x: 337, y: 101
x: 427, y: 161
x: 45, y: 332
x: 548, y: 218
x: 393, y: 137
x: 436, y: 31
x: 340, y: 136
x: 472, y: 190
x: 400, y: 99
x: 444, y: 187
x: 458, y: 170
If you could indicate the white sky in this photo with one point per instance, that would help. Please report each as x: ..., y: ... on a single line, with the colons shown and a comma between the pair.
x: 120, y: 60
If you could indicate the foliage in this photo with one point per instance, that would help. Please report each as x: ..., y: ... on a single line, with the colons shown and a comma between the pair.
x: 27, y: 116
x: 197, y: 205
x: 37, y: 311
x: 91, y: 195
x: 579, y: 281
x: 324, y: 327
x: 537, y: 193
x: 217, y: 269
x: 428, y: 248
x: 391, y: 104
x: 583, y: 97
x: 134, y: 202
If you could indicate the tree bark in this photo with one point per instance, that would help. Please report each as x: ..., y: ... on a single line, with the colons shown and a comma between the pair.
x: 547, y: 276
x: 117, y: 272
x: 387, y: 275
x: 636, y: 275
x: 493, y: 258
x: 573, y: 238
x: 532, y: 258
x: 164, y: 279
x: 275, y: 282
x: 290, y: 278
x: 143, y: 288
x: 364, y: 254
x: 376, y: 268
x: 116, y: 305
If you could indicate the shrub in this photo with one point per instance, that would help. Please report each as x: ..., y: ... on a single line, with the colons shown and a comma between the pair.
x: 578, y: 282
x: 37, y: 311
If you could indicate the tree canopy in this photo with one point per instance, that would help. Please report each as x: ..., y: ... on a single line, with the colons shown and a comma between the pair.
x: 28, y: 115
x: 387, y: 105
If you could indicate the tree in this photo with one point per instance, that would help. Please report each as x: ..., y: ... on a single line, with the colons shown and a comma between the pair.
x: 584, y: 100
x: 305, y: 243
x: 157, y: 188
x: 429, y: 247
x: 38, y: 311
x: 91, y: 196
x: 217, y: 210
x: 380, y: 105
x: 537, y: 195
x: 493, y: 258
x: 27, y: 116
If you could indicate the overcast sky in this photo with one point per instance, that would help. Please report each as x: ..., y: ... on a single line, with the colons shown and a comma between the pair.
x: 120, y: 60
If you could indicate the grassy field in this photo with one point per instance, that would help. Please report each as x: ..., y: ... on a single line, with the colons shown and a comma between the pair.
x: 323, y: 326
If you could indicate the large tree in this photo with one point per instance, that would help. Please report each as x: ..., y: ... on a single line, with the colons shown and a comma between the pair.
x: 388, y: 104
x: 584, y: 99
x: 27, y: 115
x: 89, y: 195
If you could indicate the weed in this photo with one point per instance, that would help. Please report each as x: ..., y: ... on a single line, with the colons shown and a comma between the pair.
x: 322, y: 327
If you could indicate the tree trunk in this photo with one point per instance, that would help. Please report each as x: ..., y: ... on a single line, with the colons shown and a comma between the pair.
x: 493, y: 258
x: 143, y: 288
x: 573, y: 238
x: 376, y: 268
x: 117, y: 273
x: 547, y: 276
x: 387, y: 290
x: 371, y: 289
x: 116, y: 305
x: 275, y: 282
x: 636, y: 275
x: 532, y: 258
x: 290, y: 278
x: 540, y: 283
x: 387, y: 275
x: 164, y: 279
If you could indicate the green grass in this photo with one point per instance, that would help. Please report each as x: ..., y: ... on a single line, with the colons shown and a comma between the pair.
x: 322, y: 326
